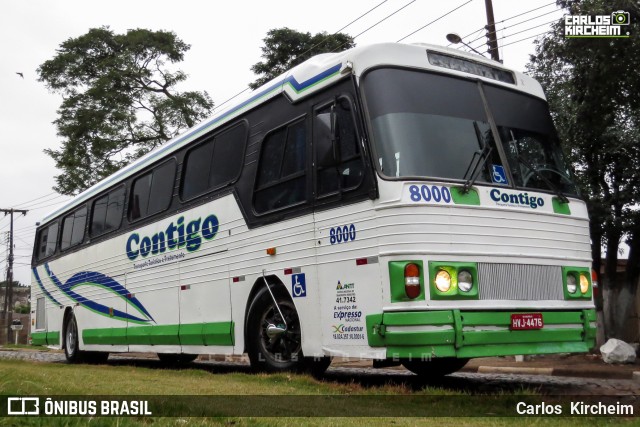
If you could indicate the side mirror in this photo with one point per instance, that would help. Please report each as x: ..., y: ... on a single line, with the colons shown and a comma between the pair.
x: 326, y: 139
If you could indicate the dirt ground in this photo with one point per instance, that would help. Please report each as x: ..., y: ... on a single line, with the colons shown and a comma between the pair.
x: 587, y: 365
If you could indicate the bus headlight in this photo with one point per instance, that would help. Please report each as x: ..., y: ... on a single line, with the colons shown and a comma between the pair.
x: 571, y: 284
x: 577, y: 283
x: 453, y: 280
x: 465, y: 281
x: 443, y: 281
x: 584, y: 283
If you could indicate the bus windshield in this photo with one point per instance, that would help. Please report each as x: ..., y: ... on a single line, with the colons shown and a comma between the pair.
x: 436, y: 126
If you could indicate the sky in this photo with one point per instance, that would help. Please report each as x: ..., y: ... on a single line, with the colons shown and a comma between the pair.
x: 225, y: 39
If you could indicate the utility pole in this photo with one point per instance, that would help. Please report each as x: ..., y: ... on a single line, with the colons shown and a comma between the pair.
x: 492, y: 41
x: 8, y: 298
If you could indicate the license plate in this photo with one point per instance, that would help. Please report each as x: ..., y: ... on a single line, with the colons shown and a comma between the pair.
x: 525, y: 321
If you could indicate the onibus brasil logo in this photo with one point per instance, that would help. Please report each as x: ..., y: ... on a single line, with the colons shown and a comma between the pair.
x: 598, y: 26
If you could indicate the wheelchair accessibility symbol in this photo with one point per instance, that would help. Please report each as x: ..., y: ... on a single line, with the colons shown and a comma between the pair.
x: 498, y: 176
x: 298, y: 285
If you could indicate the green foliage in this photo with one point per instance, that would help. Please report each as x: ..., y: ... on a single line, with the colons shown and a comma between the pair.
x: 119, y: 101
x: 285, y: 48
x: 23, y: 309
x: 14, y: 284
x: 592, y: 86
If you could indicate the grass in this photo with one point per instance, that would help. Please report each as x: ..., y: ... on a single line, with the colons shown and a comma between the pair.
x: 225, y: 392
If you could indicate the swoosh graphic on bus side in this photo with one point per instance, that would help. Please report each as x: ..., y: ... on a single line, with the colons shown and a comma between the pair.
x: 90, y: 278
x: 46, y: 292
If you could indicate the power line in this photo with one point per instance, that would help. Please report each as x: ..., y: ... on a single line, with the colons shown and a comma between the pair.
x: 379, y: 22
x: 435, y: 20
x: 514, y: 25
x: 311, y: 48
x: 37, y: 198
x: 49, y: 205
x: 385, y: 18
x: 526, y: 38
x: 362, y: 16
x: 470, y: 34
x: 7, y: 224
x: 507, y: 19
x: 42, y: 201
x: 524, y: 13
x: 346, y: 26
x: 520, y: 32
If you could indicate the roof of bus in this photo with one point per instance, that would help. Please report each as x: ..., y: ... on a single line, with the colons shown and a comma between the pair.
x: 301, y: 81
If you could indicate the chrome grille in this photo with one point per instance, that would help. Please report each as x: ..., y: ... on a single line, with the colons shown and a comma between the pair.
x: 520, y: 282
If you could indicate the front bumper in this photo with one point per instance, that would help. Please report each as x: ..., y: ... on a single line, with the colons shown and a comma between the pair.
x: 468, y: 334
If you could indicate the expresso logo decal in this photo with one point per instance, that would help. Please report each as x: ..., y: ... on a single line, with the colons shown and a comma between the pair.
x: 176, y: 236
x: 519, y: 199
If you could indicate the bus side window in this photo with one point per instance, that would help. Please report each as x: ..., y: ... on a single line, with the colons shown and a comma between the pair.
x: 347, y: 171
x: 107, y: 212
x: 281, y: 179
x: 215, y: 163
x: 47, y: 241
x: 73, y: 227
x: 151, y: 193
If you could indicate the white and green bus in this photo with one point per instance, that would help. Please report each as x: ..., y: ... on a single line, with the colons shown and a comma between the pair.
x: 399, y: 203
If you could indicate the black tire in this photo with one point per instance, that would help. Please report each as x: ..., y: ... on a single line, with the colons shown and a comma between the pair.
x: 316, y: 366
x: 435, y: 368
x: 279, y: 353
x: 71, y: 343
x: 176, y: 358
x: 95, y: 357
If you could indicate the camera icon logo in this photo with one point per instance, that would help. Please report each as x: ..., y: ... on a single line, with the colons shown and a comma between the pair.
x: 620, y: 17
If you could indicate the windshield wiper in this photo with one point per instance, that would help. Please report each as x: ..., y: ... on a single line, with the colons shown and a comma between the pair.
x: 546, y: 180
x: 478, y: 164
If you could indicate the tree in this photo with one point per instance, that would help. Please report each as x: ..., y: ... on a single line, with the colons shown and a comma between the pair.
x: 592, y: 87
x: 119, y: 101
x: 285, y: 48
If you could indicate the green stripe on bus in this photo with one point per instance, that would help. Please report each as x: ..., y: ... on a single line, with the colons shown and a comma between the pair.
x: 219, y: 333
x: 39, y: 338
x: 53, y: 338
x: 45, y: 338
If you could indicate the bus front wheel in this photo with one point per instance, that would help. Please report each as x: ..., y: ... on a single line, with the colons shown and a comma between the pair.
x: 274, y: 341
x: 71, y: 346
x: 435, y: 368
x: 72, y: 350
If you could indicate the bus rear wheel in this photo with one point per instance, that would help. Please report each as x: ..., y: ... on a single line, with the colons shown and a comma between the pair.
x: 274, y: 341
x: 435, y: 368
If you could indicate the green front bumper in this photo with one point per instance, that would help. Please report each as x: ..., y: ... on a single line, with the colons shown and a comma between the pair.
x: 464, y: 334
